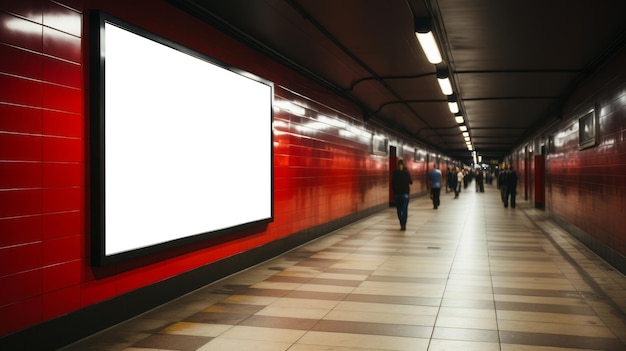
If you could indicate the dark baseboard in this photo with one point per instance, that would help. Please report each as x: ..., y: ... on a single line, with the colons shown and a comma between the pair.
x: 59, y: 332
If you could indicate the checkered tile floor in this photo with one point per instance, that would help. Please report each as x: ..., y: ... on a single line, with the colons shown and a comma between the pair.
x: 471, y: 275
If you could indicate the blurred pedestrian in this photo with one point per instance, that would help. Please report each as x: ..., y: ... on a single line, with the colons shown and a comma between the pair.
x: 400, y: 183
x: 435, y: 178
x: 510, y: 187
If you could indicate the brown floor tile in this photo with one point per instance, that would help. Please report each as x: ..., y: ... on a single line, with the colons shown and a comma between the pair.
x: 285, y: 279
x: 411, y: 331
x: 217, y: 318
x: 563, y: 341
x: 391, y: 299
x: 317, y: 262
x: 279, y: 322
x: 538, y: 292
x: 302, y: 294
x: 173, y: 342
x: 233, y: 308
x: 548, y: 308
x: 338, y: 282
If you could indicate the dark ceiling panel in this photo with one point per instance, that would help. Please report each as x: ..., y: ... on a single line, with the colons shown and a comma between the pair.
x: 513, y: 63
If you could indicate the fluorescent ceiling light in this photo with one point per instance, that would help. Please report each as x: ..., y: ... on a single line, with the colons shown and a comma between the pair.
x: 465, y: 134
x: 463, y: 128
x: 444, y: 84
x: 454, y: 107
x: 459, y: 119
x: 429, y: 46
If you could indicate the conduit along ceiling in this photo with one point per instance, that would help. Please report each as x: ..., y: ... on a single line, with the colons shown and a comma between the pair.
x: 512, y: 64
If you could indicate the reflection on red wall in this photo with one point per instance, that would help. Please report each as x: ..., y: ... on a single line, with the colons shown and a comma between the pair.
x: 588, y: 187
x: 324, y: 167
x: 585, y: 188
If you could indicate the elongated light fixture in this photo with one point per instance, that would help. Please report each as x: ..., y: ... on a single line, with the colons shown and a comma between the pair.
x: 423, y: 31
x: 444, y: 81
x: 452, y: 104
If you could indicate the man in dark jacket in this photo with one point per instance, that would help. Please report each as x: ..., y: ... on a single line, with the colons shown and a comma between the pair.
x: 510, y: 184
x: 400, y: 184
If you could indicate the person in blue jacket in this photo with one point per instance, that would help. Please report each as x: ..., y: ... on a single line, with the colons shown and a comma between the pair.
x: 435, y: 178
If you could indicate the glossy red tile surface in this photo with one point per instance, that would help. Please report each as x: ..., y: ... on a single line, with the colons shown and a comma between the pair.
x: 61, y: 45
x: 62, y: 98
x: 62, y: 18
x: 60, y: 302
x: 20, y: 230
x: 20, y: 258
x: 20, y: 147
x: 62, y: 199
x: 20, y: 119
x: 20, y: 286
x: 20, y: 32
x: 61, y: 276
x: 20, y: 202
x: 21, y: 62
x: 61, y: 251
x: 61, y: 174
x: 20, y: 175
x: 62, y: 224
x: 63, y: 149
x: 62, y: 72
x: 32, y: 9
x: 24, y: 313
x: 20, y: 91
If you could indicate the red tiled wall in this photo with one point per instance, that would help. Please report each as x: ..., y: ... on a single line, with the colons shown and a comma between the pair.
x: 41, y: 162
x: 323, y: 170
x: 588, y: 187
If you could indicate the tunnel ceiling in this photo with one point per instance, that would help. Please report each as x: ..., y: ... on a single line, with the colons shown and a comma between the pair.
x: 513, y: 64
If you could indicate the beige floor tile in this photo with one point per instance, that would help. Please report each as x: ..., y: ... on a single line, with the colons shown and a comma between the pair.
x: 263, y: 334
x: 364, y: 341
x: 455, y: 345
x: 294, y: 312
x: 222, y: 344
x: 276, y: 285
x: 464, y: 322
x: 386, y: 308
x: 381, y: 317
x: 250, y: 300
x: 467, y: 313
x: 325, y: 288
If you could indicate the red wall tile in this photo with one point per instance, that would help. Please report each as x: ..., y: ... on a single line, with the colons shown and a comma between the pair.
x: 20, y: 119
x: 60, y: 302
x: 23, y: 313
x: 20, y: 286
x: 20, y: 230
x: 61, y: 250
x: 20, y: 258
x: 62, y: 276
